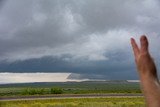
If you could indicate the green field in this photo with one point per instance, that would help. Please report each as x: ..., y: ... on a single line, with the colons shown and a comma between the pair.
x: 89, y: 87
x: 78, y: 102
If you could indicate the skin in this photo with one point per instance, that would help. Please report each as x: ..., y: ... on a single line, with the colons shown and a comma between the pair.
x: 147, y: 72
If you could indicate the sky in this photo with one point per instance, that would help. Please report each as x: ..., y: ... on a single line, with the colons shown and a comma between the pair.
x: 88, y: 39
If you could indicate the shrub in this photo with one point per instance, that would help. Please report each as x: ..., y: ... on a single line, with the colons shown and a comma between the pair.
x: 56, y: 91
x: 33, y: 91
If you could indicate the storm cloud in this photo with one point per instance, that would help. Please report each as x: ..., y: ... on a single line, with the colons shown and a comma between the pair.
x: 84, y: 37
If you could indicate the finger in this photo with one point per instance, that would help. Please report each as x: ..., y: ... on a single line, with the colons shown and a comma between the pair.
x: 144, y: 43
x: 135, y: 47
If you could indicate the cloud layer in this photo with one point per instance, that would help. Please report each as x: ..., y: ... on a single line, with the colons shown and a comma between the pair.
x: 77, y: 32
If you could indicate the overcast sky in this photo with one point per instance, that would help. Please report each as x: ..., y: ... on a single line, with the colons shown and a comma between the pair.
x: 90, y: 38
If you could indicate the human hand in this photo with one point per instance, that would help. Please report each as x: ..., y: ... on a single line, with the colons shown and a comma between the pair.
x: 147, y: 71
x: 144, y: 62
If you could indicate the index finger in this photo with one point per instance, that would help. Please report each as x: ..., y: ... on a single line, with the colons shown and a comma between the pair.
x: 135, y: 47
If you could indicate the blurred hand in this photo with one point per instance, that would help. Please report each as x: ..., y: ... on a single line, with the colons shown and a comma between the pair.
x: 147, y: 72
x: 144, y: 62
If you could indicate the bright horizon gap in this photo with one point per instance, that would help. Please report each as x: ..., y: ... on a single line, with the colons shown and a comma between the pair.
x: 7, y: 77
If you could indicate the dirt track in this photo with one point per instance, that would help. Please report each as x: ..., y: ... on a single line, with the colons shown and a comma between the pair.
x: 64, y: 96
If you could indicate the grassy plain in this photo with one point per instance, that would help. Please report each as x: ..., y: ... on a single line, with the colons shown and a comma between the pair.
x: 89, y: 87
x: 78, y: 102
x: 69, y: 88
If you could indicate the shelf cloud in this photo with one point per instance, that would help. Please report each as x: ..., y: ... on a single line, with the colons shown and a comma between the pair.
x: 73, y: 36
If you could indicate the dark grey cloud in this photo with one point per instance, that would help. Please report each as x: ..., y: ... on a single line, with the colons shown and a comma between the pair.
x: 80, y: 36
x: 85, y: 70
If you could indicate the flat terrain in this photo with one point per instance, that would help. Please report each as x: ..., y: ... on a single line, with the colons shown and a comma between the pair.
x: 72, y: 94
x: 78, y: 102
x: 89, y: 87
